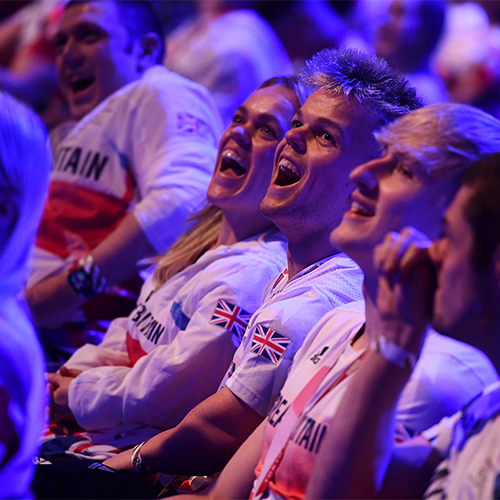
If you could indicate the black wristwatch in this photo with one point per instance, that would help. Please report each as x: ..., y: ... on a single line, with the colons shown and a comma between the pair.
x: 86, y: 278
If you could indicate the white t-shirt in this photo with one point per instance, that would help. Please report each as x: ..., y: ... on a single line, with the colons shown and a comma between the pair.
x: 469, y: 442
x: 278, y: 329
x: 448, y: 374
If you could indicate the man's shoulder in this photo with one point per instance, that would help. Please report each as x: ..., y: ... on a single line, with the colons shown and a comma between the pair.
x: 161, y: 79
x: 438, y: 345
x: 160, y: 86
x: 334, y: 324
x: 337, y: 279
x: 452, y: 359
x: 335, y: 267
x: 340, y: 264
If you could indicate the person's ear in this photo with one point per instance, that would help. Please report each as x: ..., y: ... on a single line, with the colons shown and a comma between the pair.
x: 150, y: 50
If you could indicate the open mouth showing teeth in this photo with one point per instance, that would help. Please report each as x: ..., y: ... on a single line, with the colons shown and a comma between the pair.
x: 81, y: 84
x: 232, y: 162
x: 288, y: 174
x: 359, y: 209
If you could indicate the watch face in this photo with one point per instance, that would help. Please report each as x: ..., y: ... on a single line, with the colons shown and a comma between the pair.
x: 81, y: 282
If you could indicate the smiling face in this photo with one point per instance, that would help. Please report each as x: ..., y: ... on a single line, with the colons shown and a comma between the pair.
x: 310, y: 184
x: 462, y: 294
x: 391, y: 192
x: 246, y: 150
x: 94, y: 55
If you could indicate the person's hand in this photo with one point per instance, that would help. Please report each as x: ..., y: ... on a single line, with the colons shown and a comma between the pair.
x: 60, y: 413
x: 123, y: 461
x: 406, y: 286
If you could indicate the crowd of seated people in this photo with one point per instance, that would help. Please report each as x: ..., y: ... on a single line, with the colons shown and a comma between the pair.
x: 303, y: 306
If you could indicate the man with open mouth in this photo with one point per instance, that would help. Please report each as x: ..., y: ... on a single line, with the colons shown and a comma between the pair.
x: 459, y: 457
x: 126, y: 176
x: 425, y: 154
x: 292, y: 453
x: 332, y: 133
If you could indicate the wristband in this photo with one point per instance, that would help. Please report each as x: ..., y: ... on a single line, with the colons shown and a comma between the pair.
x: 136, y: 461
x: 392, y: 353
x: 86, y: 278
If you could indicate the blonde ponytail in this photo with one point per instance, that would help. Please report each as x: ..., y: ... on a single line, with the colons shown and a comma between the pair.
x: 191, y: 245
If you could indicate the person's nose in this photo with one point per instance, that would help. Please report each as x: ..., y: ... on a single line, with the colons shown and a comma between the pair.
x: 241, y: 135
x: 295, y: 137
x: 367, y: 175
x: 71, y: 54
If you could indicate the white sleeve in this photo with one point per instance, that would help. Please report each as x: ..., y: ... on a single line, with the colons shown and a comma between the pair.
x: 256, y: 378
x: 111, y: 352
x: 176, y: 134
x: 448, y: 375
x: 165, y: 384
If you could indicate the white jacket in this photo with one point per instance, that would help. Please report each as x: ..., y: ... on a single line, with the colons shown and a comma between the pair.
x: 170, y: 353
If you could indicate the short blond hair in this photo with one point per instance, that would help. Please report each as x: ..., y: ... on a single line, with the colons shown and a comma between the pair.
x: 444, y: 139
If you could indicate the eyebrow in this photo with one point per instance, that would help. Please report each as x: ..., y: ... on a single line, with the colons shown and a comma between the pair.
x: 322, y: 120
x: 267, y: 117
x: 81, y: 25
x: 241, y: 109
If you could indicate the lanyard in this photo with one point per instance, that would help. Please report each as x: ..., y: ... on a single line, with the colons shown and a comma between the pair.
x: 292, y: 418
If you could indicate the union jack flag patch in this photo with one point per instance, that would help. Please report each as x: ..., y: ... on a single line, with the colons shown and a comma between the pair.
x: 269, y: 343
x: 231, y: 317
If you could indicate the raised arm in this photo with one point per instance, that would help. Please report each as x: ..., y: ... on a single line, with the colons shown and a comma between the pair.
x: 364, y: 425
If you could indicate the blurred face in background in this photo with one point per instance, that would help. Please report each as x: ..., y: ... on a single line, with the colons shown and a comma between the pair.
x: 94, y: 55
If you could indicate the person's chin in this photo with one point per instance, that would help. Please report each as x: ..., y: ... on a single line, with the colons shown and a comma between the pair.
x: 339, y: 236
x: 269, y: 207
x: 78, y: 111
x: 439, y: 322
